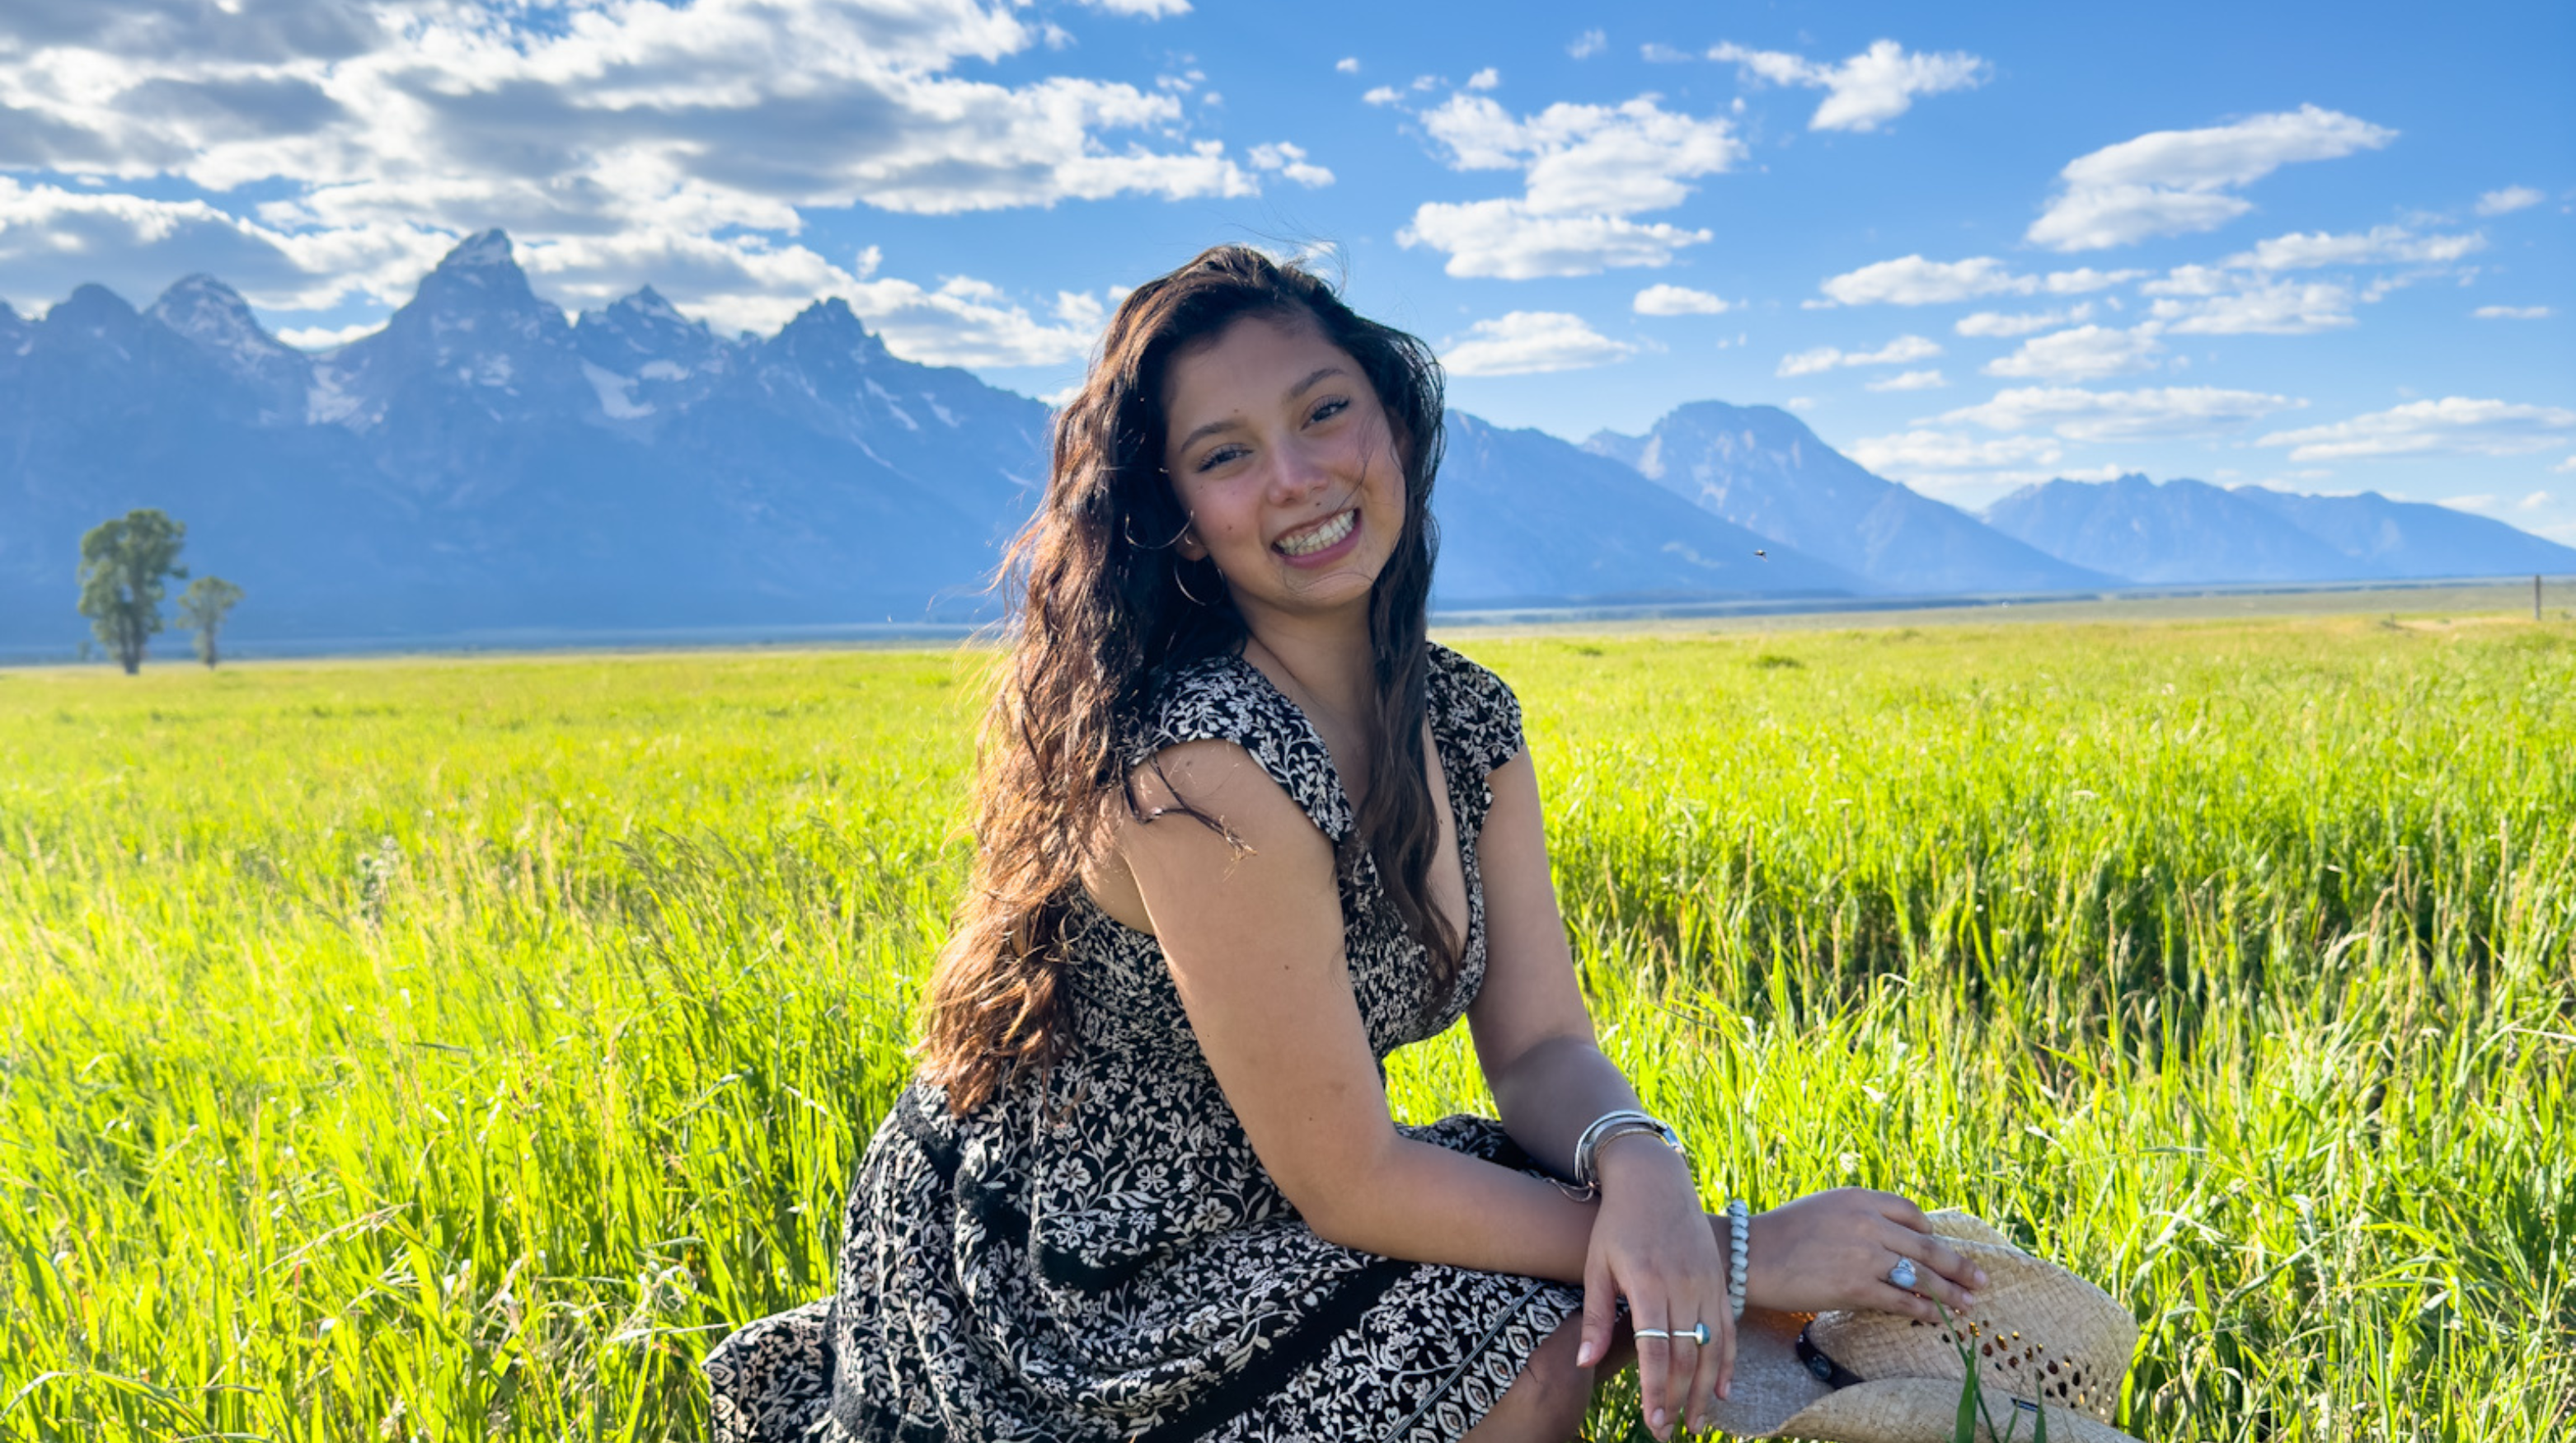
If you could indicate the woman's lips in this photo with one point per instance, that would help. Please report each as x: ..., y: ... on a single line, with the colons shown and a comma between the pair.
x: 1321, y: 540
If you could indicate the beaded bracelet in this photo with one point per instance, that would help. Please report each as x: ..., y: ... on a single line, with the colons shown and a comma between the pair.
x: 1739, y: 1229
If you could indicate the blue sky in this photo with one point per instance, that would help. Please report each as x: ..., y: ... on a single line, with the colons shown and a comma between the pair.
x: 2328, y: 247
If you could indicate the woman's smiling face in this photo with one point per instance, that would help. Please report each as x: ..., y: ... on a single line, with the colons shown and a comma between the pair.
x: 1280, y: 452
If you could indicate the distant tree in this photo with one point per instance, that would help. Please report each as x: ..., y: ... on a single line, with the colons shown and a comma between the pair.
x: 202, y: 608
x: 122, y: 567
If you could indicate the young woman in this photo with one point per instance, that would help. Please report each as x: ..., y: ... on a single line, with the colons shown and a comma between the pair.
x: 1245, y: 831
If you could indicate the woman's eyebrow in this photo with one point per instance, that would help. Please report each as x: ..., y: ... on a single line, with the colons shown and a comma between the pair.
x: 1210, y: 428
x: 1308, y: 384
x: 1295, y: 391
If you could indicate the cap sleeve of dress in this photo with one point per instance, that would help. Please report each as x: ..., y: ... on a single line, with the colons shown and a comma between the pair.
x: 1474, y: 711
x: 1226, y: 698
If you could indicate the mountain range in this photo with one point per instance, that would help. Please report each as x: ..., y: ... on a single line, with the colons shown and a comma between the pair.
x: 2184, y: 531
x: 1761, y: 468
x: 484, y: 463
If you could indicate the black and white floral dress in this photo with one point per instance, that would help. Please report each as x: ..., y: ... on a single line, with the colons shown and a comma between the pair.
x: 1097, y: 1253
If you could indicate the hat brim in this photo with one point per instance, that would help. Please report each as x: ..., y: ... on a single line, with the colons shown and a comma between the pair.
x: 1926, y: 1410
x: 1774, y: 1396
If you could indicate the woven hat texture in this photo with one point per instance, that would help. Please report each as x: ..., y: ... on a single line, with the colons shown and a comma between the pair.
x: 2040, y: 1337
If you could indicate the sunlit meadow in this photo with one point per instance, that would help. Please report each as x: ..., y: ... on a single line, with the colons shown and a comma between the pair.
x: 452, y: 1049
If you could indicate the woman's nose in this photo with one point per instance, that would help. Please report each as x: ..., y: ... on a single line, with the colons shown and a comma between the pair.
x: 1301, y: 468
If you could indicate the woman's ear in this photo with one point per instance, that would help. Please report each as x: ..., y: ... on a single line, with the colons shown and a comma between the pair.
x: 1189, y: 545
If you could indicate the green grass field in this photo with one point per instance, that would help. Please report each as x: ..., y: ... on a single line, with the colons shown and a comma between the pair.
x: 454, y: 1049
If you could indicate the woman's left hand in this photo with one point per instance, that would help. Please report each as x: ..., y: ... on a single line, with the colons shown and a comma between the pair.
x: 1652, y: 1245
x: 1834, y: 1249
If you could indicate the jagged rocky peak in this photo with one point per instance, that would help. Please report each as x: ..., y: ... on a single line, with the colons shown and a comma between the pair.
x: 220, y: 322
x: 1630, y: 451
x: 490, y: 249
x: 831, y: 324
x: 92, y: 310
x: 482, y: 277
x: 209, y: 312
x: 646, y: 336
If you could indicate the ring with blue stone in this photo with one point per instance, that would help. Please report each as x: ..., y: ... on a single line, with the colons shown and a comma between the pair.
x: 1902, y: 1275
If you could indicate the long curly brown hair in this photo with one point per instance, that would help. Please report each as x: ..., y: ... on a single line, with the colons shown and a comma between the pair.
x: 1104, y: 609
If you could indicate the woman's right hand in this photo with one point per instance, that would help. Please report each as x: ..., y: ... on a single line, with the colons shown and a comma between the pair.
x: 1651, y: 1246
x: 1833, y: 1249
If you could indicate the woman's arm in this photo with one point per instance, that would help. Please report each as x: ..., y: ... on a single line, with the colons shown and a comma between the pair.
x: 1533, y: 1034
x: 1650, y: 1242
x: 1254, y: 942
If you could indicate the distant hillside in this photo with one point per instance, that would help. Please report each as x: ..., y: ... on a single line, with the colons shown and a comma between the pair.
x: 483, y: 464
x: 2183, y: 531
x: 480, y: 462
x: 1525, y: 517
x: 2412, y: 538
x: 1761, y: 468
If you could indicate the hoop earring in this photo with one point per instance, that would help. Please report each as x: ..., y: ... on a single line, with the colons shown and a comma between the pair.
x: 1183, y: 585
x: 1127, y: 525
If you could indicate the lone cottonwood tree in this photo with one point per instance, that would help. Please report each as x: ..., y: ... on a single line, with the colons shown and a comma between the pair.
x: 202, y: 608
x: 123, y: 565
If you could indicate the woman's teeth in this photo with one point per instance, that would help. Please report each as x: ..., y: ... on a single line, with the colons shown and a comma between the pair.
x: 1318, y: 536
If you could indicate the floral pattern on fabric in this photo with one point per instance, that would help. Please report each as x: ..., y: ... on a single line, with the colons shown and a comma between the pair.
x: 1097, y: 1254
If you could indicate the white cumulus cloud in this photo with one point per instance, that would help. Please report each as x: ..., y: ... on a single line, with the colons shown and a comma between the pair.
x: 52, y: 240
x: 1503, y: 239
x: 1914, y: 281
x: 2511, y: 313
x: 1927, y: 380
x: 2173, y: 182
x: 1866, y: 90
x: 2277, y: 308
x: 2158, y: 413
x: 1523, y: 342
x: 1825, y: 358
x: 1908, y: 452
x: 1588, y: 44
x: 2020, y: 323
x: 2084, y: 280
x: 1586, y: 171
x: 373, y: 134
x: 2086, y: 353
x: 1290, y: 161
x: 2506, y: 201
x: 1664, y: 300
x: 2377, y: 246
x: 2454, y: 425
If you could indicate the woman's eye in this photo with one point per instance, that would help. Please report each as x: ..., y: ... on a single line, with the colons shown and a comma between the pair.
x: 1330, y: 409
x: 1218, y: 457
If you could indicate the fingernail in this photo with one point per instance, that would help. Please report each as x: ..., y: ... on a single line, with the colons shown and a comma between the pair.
x: 1660, y: 1416
x: 1726, y: 1389
x: 1969, y: 1299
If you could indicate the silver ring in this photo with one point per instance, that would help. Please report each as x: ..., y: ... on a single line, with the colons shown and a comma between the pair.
x: 1698, y: 1334
x: 1902, y: 1274
x: 1649, y: 1333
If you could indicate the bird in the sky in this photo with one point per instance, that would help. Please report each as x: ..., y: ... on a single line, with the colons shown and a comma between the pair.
x: 1765, y: 555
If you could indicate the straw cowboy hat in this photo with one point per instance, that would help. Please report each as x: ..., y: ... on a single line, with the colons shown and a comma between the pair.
x: 2041, y: 1336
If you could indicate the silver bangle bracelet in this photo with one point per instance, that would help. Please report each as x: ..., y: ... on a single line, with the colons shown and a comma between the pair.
x: 1609, y: 1125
